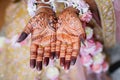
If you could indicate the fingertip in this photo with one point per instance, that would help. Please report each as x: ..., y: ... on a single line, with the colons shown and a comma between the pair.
x: 39, y: 65
x: 32, y: 63
x: 53, y: 54
x: 22, y: 37
x: 62, y: 61
x: 73, y: 60
x: 57, y: 55
x: 83, y: 41
x: 67, y: 64
x: 46, y: 61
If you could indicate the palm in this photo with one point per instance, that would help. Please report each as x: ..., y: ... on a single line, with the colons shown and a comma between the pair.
x: 42, y: 32
x: 68, y: 37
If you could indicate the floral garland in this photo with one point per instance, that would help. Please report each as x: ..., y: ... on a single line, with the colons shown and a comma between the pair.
x: 84, y: 12
x: 31, y: 7
x: 92, y: 56
x: 78, y: 4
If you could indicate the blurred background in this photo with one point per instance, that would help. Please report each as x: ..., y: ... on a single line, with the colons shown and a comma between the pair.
x: 14, y: 57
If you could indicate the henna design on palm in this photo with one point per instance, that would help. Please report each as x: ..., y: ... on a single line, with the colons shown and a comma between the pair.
x: 69, y: 35
x: 51, y: 37
x: 42, y: 29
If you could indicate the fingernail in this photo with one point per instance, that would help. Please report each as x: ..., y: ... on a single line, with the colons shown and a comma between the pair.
x: 52, y: 55
x: 67, y: 64
x: 32, y: 63
x: 39, y: 65
x: 22, y: 37
x: 57, y: 54
x: 73, y: 60
x: 46, y: 61
x: 62, y: 61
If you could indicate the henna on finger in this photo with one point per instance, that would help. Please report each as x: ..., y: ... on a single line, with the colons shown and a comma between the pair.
x: 53, y: 52
x: 74, y: 57
x: 32, y: 62
x: 22, y: 37
x: 25, y: 33
x: 82, y: 39
x: 67, y: 61
x: 68, y: 57
x: 39, y: 58
x: 69, y: 30
x: 42, y: 29
x: 46, y: 55
x: 62, y: 54
x: 46, y: 60
x: 33, y: 55
x: 58, y: 43
x: 76, y: 48
x: 62, y: 61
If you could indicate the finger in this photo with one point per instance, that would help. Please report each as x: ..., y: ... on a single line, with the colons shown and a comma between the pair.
x: 39, y: 58
x: 76, y: 47
x: 46, y: 55
x: 25, y: 33
x: 82, y: 39
x: 68, y: 57
x: 53, y: 47
x: 22, y: 37
x: 62, y: 54
x: 33, y: 55
x: 74, y: 57
x: 58, y: 43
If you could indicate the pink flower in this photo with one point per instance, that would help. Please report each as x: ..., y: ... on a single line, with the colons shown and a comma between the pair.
x: 89, y: 48
x: 86, y: 60
x: 31, y: 7
x: 97, y: 68
x: 89, y: 33
x: 99, y: 48
x: 98, y: 58
x: 86, y: 17
x: 52, y: 73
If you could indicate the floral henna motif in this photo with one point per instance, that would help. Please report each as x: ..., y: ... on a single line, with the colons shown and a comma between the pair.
x: 51, y: 37
x: 42, y: 29
x: 69, y: 34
